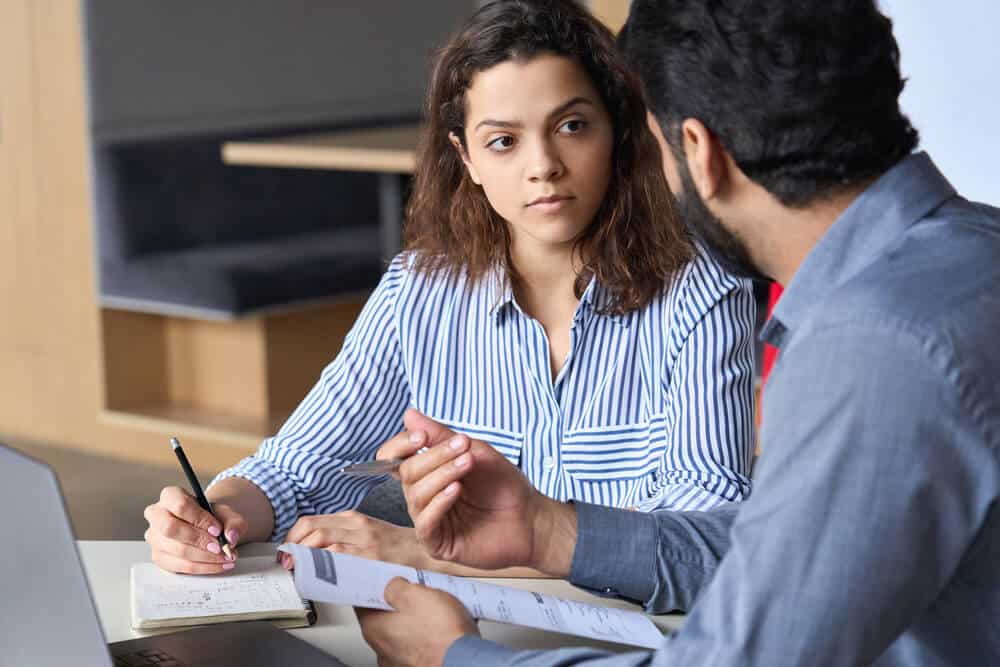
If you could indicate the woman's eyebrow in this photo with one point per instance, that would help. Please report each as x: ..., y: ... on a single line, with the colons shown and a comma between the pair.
x: 566, y: 106
x: 562, y: 108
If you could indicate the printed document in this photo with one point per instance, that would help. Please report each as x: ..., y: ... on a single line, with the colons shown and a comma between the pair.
x: 324, y: 576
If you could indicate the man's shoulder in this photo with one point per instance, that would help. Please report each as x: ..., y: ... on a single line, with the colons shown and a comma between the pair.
x: 932, y: 296
x: 939, y: 280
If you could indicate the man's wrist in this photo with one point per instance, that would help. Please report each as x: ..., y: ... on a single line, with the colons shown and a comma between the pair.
x: 554, y: 537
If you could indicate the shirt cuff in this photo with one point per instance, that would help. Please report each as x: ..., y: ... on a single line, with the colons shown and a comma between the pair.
x: 615, y: 552
x: 279, y: 491
x: 472, y: 650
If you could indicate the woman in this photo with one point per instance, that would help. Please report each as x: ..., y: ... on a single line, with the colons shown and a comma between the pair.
x: 548, y: 302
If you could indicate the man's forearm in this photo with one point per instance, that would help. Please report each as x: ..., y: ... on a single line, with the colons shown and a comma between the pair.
x: 246, y: 498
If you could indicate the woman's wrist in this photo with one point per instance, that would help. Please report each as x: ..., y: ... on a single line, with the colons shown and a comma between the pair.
x: 248, y: 500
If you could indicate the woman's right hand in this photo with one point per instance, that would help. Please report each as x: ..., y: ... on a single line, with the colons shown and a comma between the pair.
x: 184, y: 537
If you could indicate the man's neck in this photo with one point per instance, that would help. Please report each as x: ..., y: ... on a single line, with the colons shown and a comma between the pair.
x: 782, y: 237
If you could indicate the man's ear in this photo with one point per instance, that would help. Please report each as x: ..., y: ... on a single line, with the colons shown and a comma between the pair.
x: 706, y: 158
x: 457, y: 143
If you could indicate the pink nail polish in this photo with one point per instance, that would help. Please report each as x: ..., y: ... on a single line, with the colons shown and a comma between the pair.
x: 214, y: 530
x: 228, y: 566
x: 214, y: 547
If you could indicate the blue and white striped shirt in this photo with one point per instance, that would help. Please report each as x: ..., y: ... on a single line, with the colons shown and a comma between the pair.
x: 650, y: 409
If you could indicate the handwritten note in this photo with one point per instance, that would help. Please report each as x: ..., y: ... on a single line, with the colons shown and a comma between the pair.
x: 258, y: 586
x: 342, y: 579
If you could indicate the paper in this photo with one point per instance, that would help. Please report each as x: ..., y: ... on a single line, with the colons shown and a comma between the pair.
x: 324, y: 576
x: 258, y: 586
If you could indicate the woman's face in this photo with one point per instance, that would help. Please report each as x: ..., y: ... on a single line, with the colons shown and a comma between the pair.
x: 539, y: 143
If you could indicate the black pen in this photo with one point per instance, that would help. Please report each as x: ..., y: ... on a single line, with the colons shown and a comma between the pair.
x: 199, y: 494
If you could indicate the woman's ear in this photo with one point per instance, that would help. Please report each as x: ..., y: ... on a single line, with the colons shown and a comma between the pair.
x: 462, y: 153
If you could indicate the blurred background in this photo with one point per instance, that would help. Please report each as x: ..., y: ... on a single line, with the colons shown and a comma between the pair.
x: 195, y: 199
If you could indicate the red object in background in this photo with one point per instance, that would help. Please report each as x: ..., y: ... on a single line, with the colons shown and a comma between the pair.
x: 770, y: 352
x: 770, y: 355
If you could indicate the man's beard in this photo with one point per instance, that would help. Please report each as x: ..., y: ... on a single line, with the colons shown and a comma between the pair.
x: 724, y: 247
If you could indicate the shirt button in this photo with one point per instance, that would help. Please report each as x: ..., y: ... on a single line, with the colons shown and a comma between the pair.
x: 549, y: 462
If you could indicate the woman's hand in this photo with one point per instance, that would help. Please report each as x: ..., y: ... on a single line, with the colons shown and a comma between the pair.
x: 184, y: 537
x: 357, y: 534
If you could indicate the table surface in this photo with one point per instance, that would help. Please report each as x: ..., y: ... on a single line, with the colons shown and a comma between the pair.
x: 107, y: 564
x: 388, y: 150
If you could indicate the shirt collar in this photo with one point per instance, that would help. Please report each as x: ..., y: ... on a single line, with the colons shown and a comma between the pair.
x: 498, y: 292
x: 877, y: 217
x: 500, y: 297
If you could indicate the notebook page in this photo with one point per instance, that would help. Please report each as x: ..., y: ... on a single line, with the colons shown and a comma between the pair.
x: 257, y: 584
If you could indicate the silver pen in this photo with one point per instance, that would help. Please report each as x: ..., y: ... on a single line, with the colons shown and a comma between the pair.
x: 372, y: 468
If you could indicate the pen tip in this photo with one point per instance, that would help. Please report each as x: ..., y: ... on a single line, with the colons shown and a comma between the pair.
x: 174, y: 443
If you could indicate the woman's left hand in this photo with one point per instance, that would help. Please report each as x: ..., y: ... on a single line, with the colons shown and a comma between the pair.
x: 357, y: 534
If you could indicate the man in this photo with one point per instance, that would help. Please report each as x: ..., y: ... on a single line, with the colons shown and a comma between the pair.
x: 873, y: 535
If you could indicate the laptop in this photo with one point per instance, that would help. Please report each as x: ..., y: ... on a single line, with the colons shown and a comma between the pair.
x: 48, y: 617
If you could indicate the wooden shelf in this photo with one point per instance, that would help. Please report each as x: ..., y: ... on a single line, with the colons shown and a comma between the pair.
x: 389, y: 149
x: 190, y: 421
x: 232, y: 382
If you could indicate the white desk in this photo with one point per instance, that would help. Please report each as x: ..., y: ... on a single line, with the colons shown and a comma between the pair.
x: 336, y: 632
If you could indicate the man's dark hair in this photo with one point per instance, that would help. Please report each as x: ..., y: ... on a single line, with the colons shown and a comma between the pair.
x: 804, y: 94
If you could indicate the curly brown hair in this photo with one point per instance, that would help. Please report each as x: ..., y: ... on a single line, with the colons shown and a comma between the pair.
x: 636, y: 242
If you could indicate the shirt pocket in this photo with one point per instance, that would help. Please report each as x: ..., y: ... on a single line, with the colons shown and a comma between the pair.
x: 616, y: 452
x: 508, y: 443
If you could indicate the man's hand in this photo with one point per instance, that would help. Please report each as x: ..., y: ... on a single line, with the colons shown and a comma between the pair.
x: 471, y: 506
x: 421, y: 630
x: 358, y: 535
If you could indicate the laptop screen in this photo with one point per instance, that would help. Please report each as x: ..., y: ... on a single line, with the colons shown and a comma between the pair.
x: 48, y: 616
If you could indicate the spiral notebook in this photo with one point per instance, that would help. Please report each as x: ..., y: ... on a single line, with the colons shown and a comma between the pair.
x: 258, y: 588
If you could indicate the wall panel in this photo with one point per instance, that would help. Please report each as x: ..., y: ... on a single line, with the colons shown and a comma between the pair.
x: 50, y: 370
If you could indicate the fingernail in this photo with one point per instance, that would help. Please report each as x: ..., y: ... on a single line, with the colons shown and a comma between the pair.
x: 233, y: 536
x: 461, y: 461
x: 416, y: 437
x: 457, y: 442
x: 214, y: 547
x: 228, y: 566
x: 214, y: 530
x: 451, y: 489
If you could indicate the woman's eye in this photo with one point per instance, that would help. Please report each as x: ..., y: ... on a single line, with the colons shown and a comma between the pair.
x: 572, y: 126
x: 501, y: 144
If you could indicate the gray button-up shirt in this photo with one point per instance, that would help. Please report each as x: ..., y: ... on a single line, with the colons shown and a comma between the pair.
x: 873, y: 534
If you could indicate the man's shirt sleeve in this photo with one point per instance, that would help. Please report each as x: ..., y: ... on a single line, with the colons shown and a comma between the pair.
x: 662, y: 560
